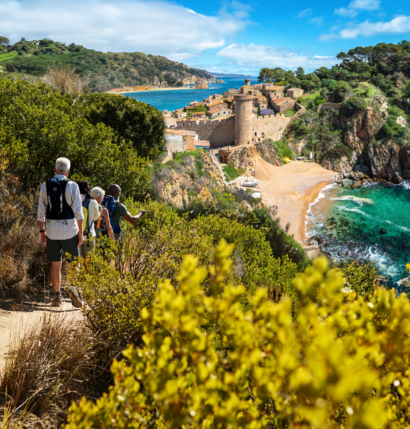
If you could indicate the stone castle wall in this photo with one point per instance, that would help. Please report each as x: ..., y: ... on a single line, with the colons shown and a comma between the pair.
x: 271, y: 127
x: 329, y: 106
x: 222, y: 133
x: 218, y: 133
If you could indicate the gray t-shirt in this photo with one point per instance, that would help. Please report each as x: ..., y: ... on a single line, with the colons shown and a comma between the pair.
x: 119, y: 212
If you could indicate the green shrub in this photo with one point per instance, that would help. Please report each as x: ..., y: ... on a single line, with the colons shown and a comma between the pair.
x: 231, y: 173
x: 38, y: 125
x: 352, y: 104
x: 209, y: 362
x: 133, y: 121
x: 115, y: 296
x: 282, y: 148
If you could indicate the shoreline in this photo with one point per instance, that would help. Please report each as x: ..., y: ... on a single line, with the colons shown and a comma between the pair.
x: 293, y: 188
x: 152, y: 90
x: 310, y: 198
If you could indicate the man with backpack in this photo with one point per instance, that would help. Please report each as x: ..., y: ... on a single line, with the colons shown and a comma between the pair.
x: 118, y: 210
x: 60, y: 218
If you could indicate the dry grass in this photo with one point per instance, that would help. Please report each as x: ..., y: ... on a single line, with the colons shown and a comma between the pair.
x: 22, y: 256
x: 53, y: 363
x: 65, y: 80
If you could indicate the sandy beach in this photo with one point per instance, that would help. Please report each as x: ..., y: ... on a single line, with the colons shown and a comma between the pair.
x: 112, y: 91
x: 292, y: 187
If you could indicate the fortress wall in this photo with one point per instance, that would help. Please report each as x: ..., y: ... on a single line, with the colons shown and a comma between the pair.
x: 273, y: 126
x: 329, y: 106
x: 218, y: 133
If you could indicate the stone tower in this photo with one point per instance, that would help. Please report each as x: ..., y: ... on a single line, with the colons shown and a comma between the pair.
x: 247, y: 82
x: 243, y: 118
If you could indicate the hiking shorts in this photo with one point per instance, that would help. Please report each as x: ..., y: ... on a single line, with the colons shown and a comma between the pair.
x: 57, y: 248
x: 87, y: 247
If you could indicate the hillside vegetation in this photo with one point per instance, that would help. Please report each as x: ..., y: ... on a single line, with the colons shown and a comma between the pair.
x: 103, y: 70
x: 368, y: 131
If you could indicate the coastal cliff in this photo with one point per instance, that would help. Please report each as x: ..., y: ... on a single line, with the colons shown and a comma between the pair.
x: 189, y: 176
x: 353, y: 139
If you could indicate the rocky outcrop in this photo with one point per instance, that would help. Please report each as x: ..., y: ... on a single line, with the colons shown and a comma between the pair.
x: 370, y: 153
x: 245, y: 157
x: 180, y: 183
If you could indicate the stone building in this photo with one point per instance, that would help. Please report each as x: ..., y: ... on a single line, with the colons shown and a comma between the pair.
x: 283, y: 104
x: 198, y: 115
x: 216, y: 106
x: 179, y: 114
x: 179, y: 140
x: 294, y: 92
x: 222, y: 111
x: 244, y: 127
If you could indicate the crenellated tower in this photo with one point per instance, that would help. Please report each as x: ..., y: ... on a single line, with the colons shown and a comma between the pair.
x: 243, y: 119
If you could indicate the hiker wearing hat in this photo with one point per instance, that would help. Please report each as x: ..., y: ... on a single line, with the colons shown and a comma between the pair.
x: 60, y: 218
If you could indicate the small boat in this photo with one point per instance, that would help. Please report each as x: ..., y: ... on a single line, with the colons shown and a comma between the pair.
x: 249, y: 183
x: 287, y: 160
x: 277, y: 162
x: 256, y: 195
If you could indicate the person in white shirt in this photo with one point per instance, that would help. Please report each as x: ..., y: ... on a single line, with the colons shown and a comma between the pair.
x: 92, y: 216
x: 60, y: 218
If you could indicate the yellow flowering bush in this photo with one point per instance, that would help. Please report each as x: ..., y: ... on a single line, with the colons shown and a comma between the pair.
x: 208, y: 361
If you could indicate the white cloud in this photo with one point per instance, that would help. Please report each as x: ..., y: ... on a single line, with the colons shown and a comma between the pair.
x: 318, y: 20
x: 356, y: 6
x: 346, y: 13
x: 259, y: 56
x: 365, y: 4
x: 305, y: 13
x: 398, y: 25
x: 153, y: 27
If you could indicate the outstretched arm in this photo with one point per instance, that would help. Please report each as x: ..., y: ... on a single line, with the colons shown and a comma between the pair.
x: 133, y: 219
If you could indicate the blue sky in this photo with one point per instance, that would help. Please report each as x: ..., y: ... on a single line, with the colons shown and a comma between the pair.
x: 219, y: 36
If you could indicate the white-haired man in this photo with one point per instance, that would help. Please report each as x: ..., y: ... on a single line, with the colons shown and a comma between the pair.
x: 60, y: 218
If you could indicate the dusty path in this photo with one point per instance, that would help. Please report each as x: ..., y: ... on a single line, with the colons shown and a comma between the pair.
x: 17, y: 318
x: 292, y: 187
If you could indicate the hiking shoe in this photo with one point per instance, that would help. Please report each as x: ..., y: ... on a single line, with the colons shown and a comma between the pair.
x: 74, y: 297
x: 57, y: 301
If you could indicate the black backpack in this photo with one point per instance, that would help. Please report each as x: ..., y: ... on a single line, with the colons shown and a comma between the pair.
x: 57, y: 206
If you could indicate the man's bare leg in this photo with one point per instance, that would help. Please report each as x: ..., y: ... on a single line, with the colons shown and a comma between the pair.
x: 56, y: 282
x: 56, y: 275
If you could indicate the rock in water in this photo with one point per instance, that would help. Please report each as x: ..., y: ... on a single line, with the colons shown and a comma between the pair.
x: 357, y: 184
x: 383, y: 231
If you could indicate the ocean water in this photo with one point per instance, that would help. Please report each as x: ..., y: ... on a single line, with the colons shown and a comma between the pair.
x: 173, y: 99
x: 371, y: 223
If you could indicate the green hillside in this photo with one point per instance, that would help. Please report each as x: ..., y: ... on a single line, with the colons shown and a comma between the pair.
x: 104, y: 70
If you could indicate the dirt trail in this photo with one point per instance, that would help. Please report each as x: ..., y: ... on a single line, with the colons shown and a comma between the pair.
x: 17, y: 318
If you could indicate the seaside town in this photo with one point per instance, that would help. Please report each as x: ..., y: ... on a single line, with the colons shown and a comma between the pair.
x: 237, y: 117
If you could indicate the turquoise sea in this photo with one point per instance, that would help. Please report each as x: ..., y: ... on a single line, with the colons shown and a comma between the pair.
x: 172, y: 100
x: 371, y: 223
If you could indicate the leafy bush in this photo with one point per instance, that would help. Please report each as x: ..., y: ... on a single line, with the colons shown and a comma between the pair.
x: 38, y: 125
x: 360, y: 278
x: 319, y: 101
x: 282, y: 149
x: 209, y: 362
x: 392, y: 129
x: 116, y: 296
x: 132, y: 120
x: 231, y: 173
x: 350, y: 105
